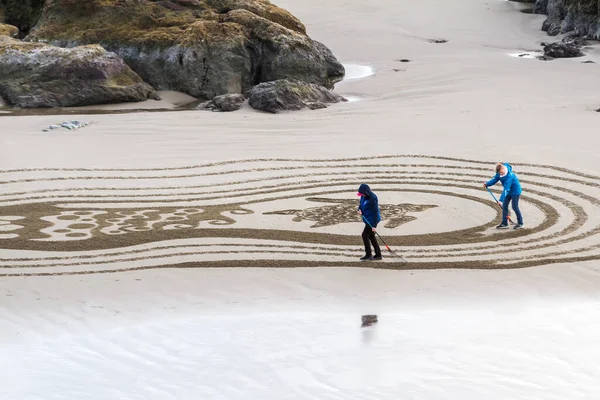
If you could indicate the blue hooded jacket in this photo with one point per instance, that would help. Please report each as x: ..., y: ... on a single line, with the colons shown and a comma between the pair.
x: 369, y: 205
x: 510, y: 182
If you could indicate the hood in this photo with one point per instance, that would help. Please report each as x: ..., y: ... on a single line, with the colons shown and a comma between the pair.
x: 508, y: 168
x: 364, y: 189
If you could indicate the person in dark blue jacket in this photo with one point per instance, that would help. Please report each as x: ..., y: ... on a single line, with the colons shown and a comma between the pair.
x: 369, y: 209
x: 512, y: 192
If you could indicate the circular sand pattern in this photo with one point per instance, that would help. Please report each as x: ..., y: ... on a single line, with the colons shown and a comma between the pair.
x: 291, y: 213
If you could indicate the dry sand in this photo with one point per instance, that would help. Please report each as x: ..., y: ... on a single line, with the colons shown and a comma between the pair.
x: 152, y: 190
x: 168, y: 100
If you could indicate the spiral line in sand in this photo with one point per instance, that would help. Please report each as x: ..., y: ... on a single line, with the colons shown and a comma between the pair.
x: 288, y: 213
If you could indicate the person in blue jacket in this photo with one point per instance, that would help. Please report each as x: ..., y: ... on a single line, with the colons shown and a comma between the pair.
x: 369, y: 210
x: 512, y: 192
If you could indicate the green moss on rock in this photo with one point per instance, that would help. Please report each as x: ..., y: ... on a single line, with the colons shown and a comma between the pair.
x: 201, y: 47
x: 262, y: 8
x: 96, y: 21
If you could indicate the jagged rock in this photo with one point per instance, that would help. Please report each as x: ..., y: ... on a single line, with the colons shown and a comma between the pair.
x: 540, y: 6
x: 578, y: 16
x: 562, y: 50
x: 575, y: 40
x: 9, y: 30
x: 40, y: 75
x: 203, y: 48
x: 224, y: 102
x: 291, y: 95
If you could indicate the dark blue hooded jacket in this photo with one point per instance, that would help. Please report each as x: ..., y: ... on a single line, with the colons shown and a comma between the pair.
x: 511, y: 183
x: 369, y: 205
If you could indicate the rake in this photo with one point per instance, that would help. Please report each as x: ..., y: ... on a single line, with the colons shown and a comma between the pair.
x: 497, y: 202
x: 392, y: 252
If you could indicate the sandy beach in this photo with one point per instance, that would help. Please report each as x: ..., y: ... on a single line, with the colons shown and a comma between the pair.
x: 193, y: 254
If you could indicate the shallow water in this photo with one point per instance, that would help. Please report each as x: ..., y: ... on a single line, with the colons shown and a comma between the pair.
x: 527, y: 54
x: 355, y: 71
x: 296, y: 334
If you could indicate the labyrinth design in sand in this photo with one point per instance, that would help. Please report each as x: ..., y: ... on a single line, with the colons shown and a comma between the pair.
x: 289, y: 213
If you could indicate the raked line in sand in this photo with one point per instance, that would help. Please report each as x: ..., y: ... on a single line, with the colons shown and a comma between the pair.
x: 288, y: 213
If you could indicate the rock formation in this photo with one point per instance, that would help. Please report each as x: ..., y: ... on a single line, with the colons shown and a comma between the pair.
x: 40, y: 75
x: 290, y: 94
x: 582, y: 17
x: 203, y: 48
x: 562, y: 50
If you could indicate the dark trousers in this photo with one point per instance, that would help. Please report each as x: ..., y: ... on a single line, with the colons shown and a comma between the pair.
x: 369, y: 236
x: 515, y: 207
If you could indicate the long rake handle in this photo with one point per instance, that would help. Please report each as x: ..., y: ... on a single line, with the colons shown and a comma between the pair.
x: 386, y: 246
x: 497, y: 202
x: 377, y: 233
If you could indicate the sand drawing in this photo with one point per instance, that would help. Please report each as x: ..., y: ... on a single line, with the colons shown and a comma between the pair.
x: 71, y: 227
x: 56, y: 224
x: 344, y: 210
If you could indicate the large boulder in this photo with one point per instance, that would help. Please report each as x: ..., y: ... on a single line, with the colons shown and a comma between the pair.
x: 204, y: 48
x: 290, y: 95
x: 40, y: 75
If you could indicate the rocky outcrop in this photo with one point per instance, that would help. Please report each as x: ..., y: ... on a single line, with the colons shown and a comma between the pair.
x: 204, y: 48
x: 290, y: 95
x: 562, y: 50
x: 581, y: 17
x: 224, y: 102
x: 9, y: 30
x: 41, y: 75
